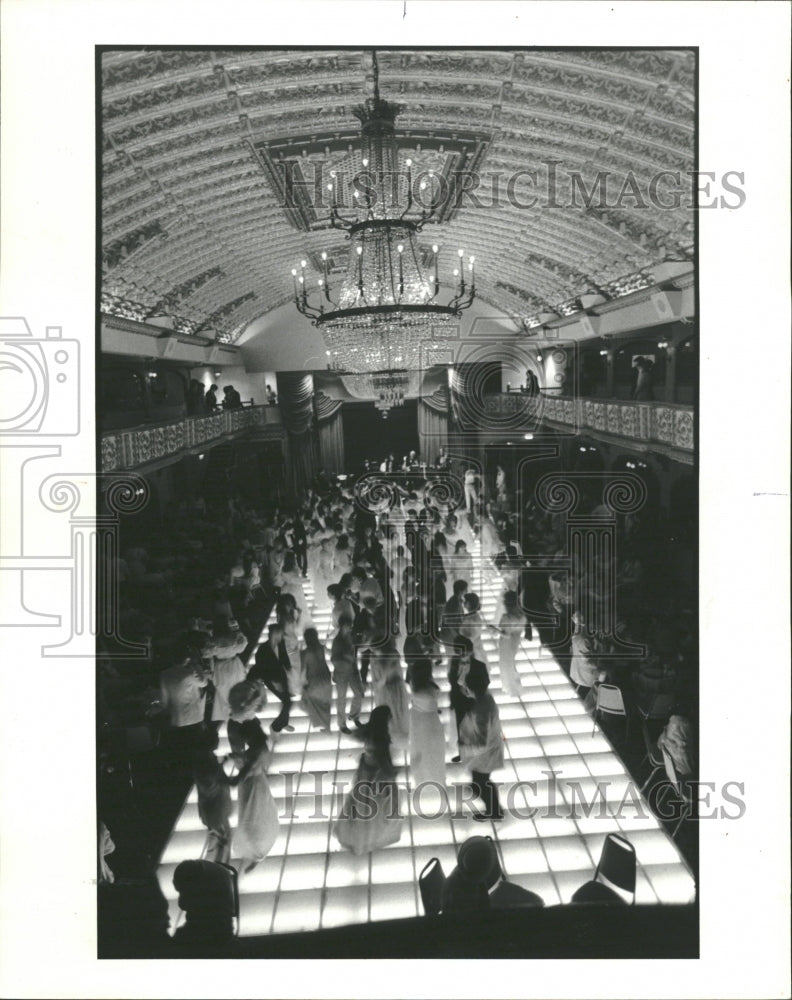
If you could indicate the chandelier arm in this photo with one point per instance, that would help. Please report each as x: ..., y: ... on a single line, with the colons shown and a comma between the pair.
x: 337, y: 221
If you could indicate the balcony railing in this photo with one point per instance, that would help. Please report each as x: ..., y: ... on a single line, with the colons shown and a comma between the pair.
x: 669, y: 424
x: 128, y: 449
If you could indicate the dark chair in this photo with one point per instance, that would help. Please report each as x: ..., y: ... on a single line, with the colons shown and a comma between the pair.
x: 208, y: 893
x: 611, y: 702
x: 233, y: 888
x: 507, y: 895
x: 431, y: 882
x: 616, y: 867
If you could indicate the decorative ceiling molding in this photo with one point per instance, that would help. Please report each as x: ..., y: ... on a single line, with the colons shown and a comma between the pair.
x: 183, y: 195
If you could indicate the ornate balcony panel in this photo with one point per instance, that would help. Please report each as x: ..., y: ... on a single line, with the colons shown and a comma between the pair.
x: 670, y: 426
x: 128, y: 449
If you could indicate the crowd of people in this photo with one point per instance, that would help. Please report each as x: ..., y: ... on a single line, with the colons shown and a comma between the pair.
x: 401, y: 580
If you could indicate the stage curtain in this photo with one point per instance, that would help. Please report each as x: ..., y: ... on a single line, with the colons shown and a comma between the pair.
x: 432, y: 428
x: 330, y: 422
x: 295, y: 396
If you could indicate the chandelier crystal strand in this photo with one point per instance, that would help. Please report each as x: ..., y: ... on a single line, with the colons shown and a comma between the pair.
x: 384, y: 317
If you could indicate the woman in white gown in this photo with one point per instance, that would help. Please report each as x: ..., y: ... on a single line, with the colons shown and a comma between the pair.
x: 370, y: 817
x: 427, y: 738
x: 324, y: 572
x: 388, y: 687
x: 257, y: 823
x: 512, y: 627
x: 291, y: 583
x: 460, y: 565
x: 342, y: 558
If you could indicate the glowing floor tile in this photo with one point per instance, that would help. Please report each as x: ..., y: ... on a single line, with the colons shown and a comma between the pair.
x: 567, y: 853
x: 255, y: 911
x: 393, y: 902
x: 345, y: 905
x: 303, y: 872
x: 308, y: 838
x: 644, y: 890
x: 671, y: 883
x: 395, y: 864
x: 264, y: 878
x: 297, y: 911
x: 430, y: 831
x: 347, y: 869
x: 559, y: 828
x: 523, y: 857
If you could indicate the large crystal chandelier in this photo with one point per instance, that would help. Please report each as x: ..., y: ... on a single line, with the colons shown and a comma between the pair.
x: 385, y: 315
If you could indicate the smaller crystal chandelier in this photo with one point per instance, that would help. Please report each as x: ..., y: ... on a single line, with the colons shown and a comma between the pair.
x: 386, y: 309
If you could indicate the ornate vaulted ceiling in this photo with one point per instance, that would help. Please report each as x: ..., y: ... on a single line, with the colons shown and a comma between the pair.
x: 193, y: 218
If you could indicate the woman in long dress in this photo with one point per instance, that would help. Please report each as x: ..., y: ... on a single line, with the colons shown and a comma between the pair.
x: 389, y: 688
x: 461, y: 564
x: 427, y: 738
x: 490, y: 542
x: 369, y: 817
x: 342, y: 558
x: 512, y: 627
x: 324, y: 573
x: 257, y: 814
x: 317, y: 685
x: 291, y: 583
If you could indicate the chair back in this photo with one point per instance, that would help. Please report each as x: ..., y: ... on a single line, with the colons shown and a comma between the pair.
x: 609, y: 699
x: 209, y: 886
x: 233, y: 889
x: 617, y: 863
x: 431, y: 882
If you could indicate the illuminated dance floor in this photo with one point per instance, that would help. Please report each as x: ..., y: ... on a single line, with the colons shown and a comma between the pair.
x: 547, y: 843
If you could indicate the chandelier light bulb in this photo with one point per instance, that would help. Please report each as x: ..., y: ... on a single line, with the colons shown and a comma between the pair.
x: 365, y: 161
x: 400, y: 248
x: 359, y: 250
x: 302, y: 280
x: 294, y: 272
x: 329, y: 187
x: 472, y: 260
x: 303, y: 263
x: 435, y: 248
x: 321, y: 282
x: 324, y: 255
x: 456, y: 272
x: 408, y: 162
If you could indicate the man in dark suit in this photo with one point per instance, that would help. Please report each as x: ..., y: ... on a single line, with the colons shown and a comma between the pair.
x: 462, y: 699
x: 453, y: 614
x: 271, y: 666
